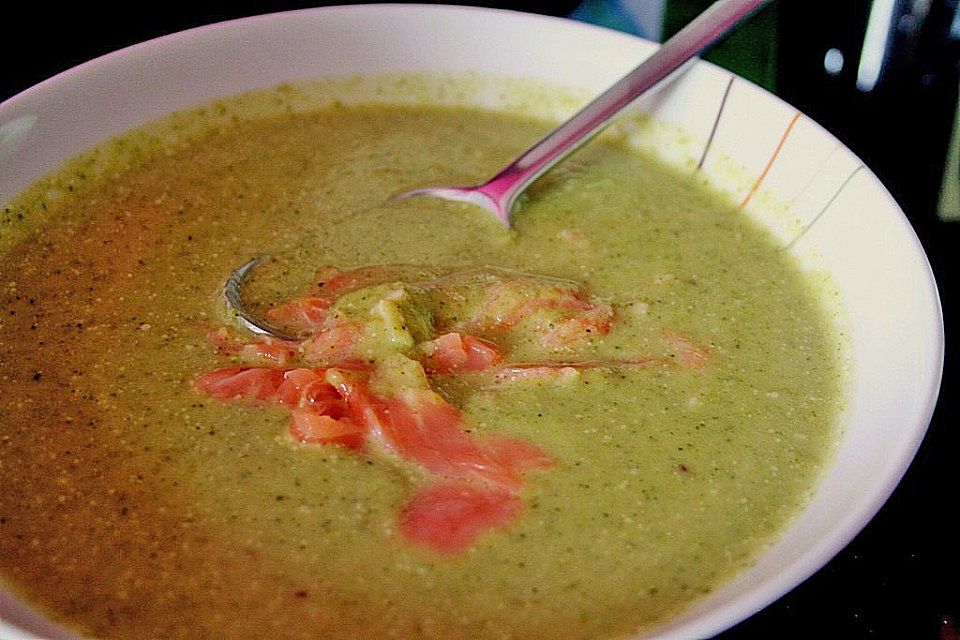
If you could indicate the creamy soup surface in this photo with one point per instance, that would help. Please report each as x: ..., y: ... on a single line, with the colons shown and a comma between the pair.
x: 680, y: 434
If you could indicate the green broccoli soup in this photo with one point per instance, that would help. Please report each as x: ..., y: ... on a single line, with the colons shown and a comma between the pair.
x: 573, y: 428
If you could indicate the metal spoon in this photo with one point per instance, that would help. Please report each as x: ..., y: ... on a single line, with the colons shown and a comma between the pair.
x: 500, y: 192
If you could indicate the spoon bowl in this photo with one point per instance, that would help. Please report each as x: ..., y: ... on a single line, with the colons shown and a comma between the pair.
x: 245, y: 318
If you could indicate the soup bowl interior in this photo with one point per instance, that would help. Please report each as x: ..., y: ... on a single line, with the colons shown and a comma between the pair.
x: 794, y: 177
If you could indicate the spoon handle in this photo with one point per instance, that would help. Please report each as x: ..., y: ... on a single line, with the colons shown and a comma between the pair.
x: 703, y: 31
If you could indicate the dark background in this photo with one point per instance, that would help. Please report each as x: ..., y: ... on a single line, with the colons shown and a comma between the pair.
x: 900, y: 578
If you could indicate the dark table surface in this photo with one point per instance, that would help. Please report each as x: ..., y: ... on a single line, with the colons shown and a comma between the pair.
x: 900, y: 577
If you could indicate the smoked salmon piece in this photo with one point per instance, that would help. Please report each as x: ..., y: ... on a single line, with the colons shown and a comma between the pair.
x: 269, y: 349
x: 553, y: 373
x: 563, y: 314
x: 310, y: 427
x: 688, y: 353
x: 264, y: 348
x: 421, y: 427
x: 333, y: 346
x: 571, y: 332
x: 307, y: 388
x: 517, y: 455
x: 319, y: 415
x: 304, y: 314
x: 511, y: 299
x: 249, y: 383
x: 448, y: 518
x: 453, y: 352
x: 363, y: 407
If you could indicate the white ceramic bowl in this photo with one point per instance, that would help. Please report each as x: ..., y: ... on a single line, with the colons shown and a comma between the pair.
x: 838, y: 217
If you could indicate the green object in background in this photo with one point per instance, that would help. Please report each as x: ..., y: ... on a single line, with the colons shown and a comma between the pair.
x: 750, y: 51
x: 949, y: 205
x: 608, y: 14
